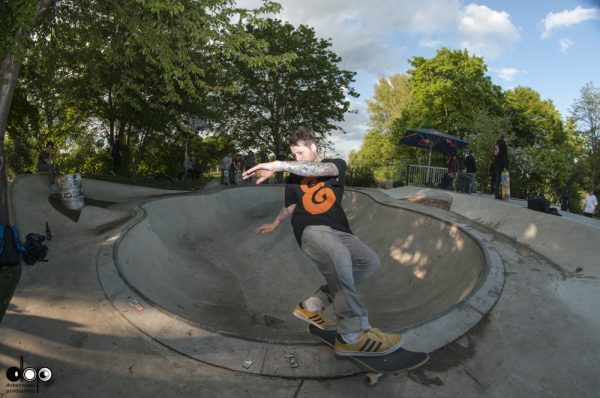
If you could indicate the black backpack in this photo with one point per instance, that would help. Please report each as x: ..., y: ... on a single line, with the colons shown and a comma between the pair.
x: 11, y: 247
x: 35, y: 250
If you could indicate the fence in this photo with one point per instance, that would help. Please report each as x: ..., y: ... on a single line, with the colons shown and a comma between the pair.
x: 425, y: 175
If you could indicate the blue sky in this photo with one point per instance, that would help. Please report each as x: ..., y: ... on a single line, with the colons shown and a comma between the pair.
x: 549, y: 45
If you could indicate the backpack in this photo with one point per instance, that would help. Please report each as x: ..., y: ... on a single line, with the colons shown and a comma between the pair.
x: 35, y: 250
x: 11, y: 247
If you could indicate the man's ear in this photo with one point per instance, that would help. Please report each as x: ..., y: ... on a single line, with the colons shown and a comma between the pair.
x: 313, y: 147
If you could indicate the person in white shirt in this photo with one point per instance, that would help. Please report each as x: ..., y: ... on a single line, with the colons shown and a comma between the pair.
x: 591, y: 202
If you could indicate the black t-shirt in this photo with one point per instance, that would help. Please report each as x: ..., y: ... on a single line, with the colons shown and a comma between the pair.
x: 501, y: 159
x: 318, y: 200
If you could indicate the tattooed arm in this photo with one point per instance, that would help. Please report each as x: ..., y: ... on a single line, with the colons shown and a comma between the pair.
x: 301, y: 168
x: 310, y: 169
x: 285, y: 212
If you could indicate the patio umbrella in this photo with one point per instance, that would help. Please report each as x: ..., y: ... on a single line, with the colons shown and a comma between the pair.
x: 433, y: 140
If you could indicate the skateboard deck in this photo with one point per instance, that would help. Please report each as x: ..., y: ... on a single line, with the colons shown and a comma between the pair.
x: 505, y: 184
x: 394, y: 363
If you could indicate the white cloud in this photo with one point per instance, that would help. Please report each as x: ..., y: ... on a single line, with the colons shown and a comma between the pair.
x: 507, y: 74
x: 568, y: 18
x: 485, y: 31
x: 565, y: 44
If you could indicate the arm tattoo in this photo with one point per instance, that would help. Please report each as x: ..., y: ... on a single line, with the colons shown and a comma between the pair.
x: 311, y: 169
x: 285, y: 213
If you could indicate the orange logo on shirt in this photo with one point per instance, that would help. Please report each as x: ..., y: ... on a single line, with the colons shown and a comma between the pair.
x: 317, y: 198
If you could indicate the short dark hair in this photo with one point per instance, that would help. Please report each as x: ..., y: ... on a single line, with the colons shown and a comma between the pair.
x: 302, y: 134
x: 49, y: 143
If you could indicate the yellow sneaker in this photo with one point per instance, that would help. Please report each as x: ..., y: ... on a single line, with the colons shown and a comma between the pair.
x: 316, y: 318
x: 370, y: 343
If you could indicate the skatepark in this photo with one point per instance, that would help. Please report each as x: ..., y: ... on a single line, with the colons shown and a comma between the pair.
x: 171, y: 294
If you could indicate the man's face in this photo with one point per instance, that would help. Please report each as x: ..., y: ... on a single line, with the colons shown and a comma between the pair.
x: 304, y: 151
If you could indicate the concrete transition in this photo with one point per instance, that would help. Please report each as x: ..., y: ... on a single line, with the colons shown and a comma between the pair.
x: 206, y: 285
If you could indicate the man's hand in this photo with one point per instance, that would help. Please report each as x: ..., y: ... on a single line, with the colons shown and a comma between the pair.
x: 266, y: 228
x: 265, y: 170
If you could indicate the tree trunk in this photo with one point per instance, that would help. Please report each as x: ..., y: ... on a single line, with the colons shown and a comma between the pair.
x: 9, y: 74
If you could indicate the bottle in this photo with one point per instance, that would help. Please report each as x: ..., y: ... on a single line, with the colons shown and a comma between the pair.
x: 48, y: 233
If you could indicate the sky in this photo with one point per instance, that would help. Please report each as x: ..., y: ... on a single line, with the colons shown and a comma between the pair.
x: 550, y: 46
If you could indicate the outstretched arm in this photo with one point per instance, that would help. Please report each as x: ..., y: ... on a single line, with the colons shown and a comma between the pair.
x: 283, y: 214
x: 310, y: 169
x: 305, y: 169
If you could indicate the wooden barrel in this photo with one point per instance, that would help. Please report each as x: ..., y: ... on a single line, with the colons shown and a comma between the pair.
x: 71, y: 191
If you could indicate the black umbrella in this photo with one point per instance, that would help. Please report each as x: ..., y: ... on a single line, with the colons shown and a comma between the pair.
x: 433, y: 140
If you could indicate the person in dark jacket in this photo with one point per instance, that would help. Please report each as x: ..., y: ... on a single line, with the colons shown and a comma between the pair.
x: 471, y: 171
x: 500, y: 161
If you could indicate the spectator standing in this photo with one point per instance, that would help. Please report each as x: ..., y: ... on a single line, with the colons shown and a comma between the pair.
x: 500, y: 162
x: 249, y: 163
x: 471, y: 171
x: 225, y: 166
x: 46, y: 163
x: 238, y: 168
x: 453, y: 167
x: 590, y: 203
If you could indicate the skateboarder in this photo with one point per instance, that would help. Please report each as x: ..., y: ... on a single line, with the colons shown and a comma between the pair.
x: 313, y: 198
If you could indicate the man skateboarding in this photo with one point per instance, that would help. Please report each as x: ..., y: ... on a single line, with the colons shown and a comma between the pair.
x: 313, y: 198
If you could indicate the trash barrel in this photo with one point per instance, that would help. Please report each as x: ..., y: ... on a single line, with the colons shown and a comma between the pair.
x: 71, y: 191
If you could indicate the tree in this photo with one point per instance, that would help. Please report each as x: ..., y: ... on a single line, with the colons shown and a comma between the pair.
x: 450, y: 89
x: 272, y: 101
x: 131, y: 69
x: 586, y: 112
x: 17, y: 18
x: 534, y: 121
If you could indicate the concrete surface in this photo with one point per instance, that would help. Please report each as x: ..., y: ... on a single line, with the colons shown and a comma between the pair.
x: 540, y: 340
x: 202, y: 274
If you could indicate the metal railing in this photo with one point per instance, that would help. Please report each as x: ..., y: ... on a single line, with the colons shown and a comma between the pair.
x: 425, y: 175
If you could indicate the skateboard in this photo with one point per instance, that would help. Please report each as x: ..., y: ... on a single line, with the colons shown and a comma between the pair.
x: 394, y: 363
x: 505, y: 184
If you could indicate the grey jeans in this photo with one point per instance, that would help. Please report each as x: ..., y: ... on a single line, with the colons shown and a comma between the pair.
x: 345, y: 262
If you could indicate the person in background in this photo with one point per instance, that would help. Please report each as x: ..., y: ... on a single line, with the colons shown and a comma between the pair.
x: 225, y: 166
x: 500, y: 162
x: 46, y: 163
x: 471, y: 171
x: 453, y: 167
x: 590, y: 203
x: 249, y: 163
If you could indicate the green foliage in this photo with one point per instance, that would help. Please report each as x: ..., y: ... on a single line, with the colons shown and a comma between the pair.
x: 360, y: 176
x: 272, y: 100
x: 586, y: 114
x: 450, y: 89
x: 534, y: 121
x: 134, y: 70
